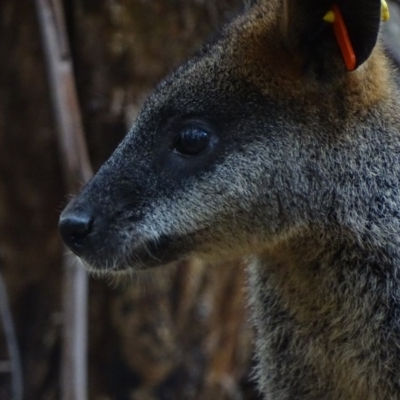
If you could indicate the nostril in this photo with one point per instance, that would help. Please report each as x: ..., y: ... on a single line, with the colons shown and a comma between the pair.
x: 74, y: 229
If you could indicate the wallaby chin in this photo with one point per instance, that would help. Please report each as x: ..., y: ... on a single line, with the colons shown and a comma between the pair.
x: 277, y: 144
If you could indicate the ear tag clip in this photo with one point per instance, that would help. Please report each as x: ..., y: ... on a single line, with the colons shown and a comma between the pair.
x: 334, y: 17
x: 385, y: 14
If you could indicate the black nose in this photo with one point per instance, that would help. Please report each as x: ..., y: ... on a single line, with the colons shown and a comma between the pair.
x: 75, y: 229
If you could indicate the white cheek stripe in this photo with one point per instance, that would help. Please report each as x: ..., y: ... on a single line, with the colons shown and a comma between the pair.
x: 195, y: 207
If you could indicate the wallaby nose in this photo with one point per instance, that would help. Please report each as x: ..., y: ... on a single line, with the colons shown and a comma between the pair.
x: 75, y: 229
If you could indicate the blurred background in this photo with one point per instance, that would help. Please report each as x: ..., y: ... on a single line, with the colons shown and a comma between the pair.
x: 177, y: 335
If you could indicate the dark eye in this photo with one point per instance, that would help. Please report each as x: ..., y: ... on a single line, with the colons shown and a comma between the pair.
x: 192, y: 140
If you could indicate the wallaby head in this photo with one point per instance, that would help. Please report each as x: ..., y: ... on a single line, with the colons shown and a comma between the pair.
x: 248, y: 140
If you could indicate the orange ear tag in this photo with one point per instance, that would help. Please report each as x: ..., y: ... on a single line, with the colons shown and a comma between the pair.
x: 335, y: 17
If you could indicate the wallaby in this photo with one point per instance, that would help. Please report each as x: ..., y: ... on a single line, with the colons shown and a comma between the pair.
x: 266, y: 145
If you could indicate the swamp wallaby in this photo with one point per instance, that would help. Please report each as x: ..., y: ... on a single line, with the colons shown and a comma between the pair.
x: 264, y: 145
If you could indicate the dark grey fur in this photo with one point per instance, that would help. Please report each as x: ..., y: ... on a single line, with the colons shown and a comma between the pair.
x: 302, y: 177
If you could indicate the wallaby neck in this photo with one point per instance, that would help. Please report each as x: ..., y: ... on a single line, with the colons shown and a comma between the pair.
x: 327, y: 321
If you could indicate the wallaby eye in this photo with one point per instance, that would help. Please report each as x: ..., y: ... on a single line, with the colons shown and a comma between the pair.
x: 192, y: 140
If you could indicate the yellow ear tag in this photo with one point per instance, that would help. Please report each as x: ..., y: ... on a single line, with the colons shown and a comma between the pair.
x: 330, y: 17
x: 385, y: 14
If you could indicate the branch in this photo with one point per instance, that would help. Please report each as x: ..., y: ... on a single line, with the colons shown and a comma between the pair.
x: 76, y: 170
x: 12, y: 344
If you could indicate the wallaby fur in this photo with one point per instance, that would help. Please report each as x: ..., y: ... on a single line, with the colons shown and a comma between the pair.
x: 301, y: 176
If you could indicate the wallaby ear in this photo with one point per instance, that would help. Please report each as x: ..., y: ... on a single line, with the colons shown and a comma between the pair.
x: 306, y: 29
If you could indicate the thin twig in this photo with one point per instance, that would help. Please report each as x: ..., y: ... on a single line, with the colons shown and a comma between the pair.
x: 76, y: 169
x: 12, y: 343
